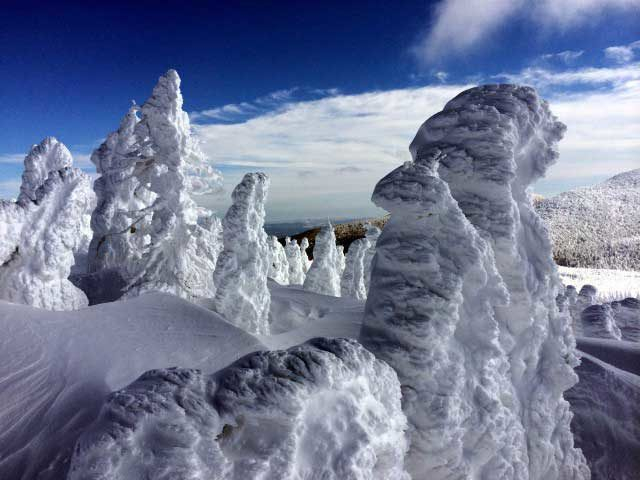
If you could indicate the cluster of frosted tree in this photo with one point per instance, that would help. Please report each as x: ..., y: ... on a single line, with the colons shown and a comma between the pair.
x: 145, y: 226
x: 463, y: 291
x: 328, y: 262
x: 44, y: 233
x: 357, y: 271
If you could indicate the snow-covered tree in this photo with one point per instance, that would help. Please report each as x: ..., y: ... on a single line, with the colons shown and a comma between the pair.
x: 295, y: 261
x: 145, y: 225
x: 42, y: 233
x: 240, y: 276
x: 342, y: 262
x: 479, y: 345
x: 352, y: 282
x: 306, y: 262
x: 278, y: 263
x: 324, y: 274
x: 372, y: 234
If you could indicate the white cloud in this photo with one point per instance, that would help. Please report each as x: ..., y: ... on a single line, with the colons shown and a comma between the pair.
x: 622, y: 53
x: 441, y: 76
x: 542, y: 77
x: 567, y: 56
x: 462, y: 25
x: 11, y: 158
x: 9, y: 189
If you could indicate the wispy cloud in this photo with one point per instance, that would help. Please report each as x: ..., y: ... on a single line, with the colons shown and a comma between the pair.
x: 592, y: 76
x: 9, y: 189
x: 567, y: 56
x: 11, y: 158
x: 463, y: 25
x: 622, y: 53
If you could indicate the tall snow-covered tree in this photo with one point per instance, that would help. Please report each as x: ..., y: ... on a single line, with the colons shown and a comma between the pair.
x: 42, y: 233
x: 240, y: 276
x: 146, y: 226
x: 278, y: 263
x: 352, y: 281
x: 324, y: 274
x: 295, y: 261
x: 306, y: 262
x: 463, y: 292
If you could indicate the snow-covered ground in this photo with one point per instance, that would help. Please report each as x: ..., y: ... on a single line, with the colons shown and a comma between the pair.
x: 611, y: 285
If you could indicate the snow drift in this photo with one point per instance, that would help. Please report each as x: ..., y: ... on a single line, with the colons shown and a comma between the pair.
x: 271, y: 415
x: 45, y: 231
x: 463, y: 286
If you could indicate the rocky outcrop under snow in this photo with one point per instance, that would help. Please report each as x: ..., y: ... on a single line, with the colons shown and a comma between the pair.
x: 596, y: 227
x: 463, y: 286
x: 271, y: 415
x: 43, y: 233
x: 240, y: 276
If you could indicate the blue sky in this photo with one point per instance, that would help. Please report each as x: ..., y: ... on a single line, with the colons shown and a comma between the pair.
x: 324, y: 96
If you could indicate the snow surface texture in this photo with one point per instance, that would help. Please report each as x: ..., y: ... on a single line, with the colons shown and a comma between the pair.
x: 594, y: 226
x: 240, y: 276
x: 296, y: 263
x: 306, y: 263
x: 56, y: 368
x: 324, y: 410
x: 606, y: 422
x: 145, y: 225
x: 612, y: 284
x: 43, y: 232
x: 498, y: 351
x: 278, y: 263
x: 324, y: 274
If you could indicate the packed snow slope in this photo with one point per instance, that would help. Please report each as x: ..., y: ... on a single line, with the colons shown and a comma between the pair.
x: 596, y: 227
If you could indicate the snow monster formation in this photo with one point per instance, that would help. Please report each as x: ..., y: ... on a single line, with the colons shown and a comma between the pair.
x: 325, y: 410
x: 372, y: 235
x: 306, y: 263
x: 295, y: 261
x: 145, y: 225
x: 240, y: 276
x: 324, y: 274
x: 42, y: 233
x: 462, y: 301
x: 352, y: 282
x: 278, y: 263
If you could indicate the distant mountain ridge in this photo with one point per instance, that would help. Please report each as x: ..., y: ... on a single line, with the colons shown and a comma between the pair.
x: 598, y: 226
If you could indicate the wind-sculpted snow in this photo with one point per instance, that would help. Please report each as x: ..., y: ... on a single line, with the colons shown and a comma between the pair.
x: 324, y: 274
x: 240, y: 276
x: 597, y: 227
x: 43, y: 232
x: 278, y: 263
x: 324, y: 410
x: 295, y: 261
x: 145, y: 225
x: 352, y: 282
x: 498, y: 352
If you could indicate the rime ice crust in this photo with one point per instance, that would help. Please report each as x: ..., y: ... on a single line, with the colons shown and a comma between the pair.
x: 352, y: 282
x: 324, y: 410
x: 145, y: 225
x: 487, y: 329
x: 44, y: 230
x: 240, y: 276
x: 278, y: 263
x: 306, y: 263
x: 324, y: 274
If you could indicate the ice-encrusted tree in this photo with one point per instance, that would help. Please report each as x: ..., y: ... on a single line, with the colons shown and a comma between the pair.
x: 145, y: 225
x: 352, y: 281
x: 278, y: 263
x: 372, y: 234
x: 42, y: 233
x: 342, y: 261
x: 295, y: 261
x: 324, y: 274
x: 480, y: 347
x: 240, y: 276
x: 306, y: 262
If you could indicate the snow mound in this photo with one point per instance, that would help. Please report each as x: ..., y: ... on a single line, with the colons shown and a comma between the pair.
x: 44, y: 232
x: 324, y: 274
x: 463, y: 286
x: 323, y: 410
x: 596, y: 227
x: 145, y: 225
x: 242, y: 296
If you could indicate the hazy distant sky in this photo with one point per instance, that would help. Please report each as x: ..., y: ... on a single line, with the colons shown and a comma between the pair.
x: 323, y: 96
